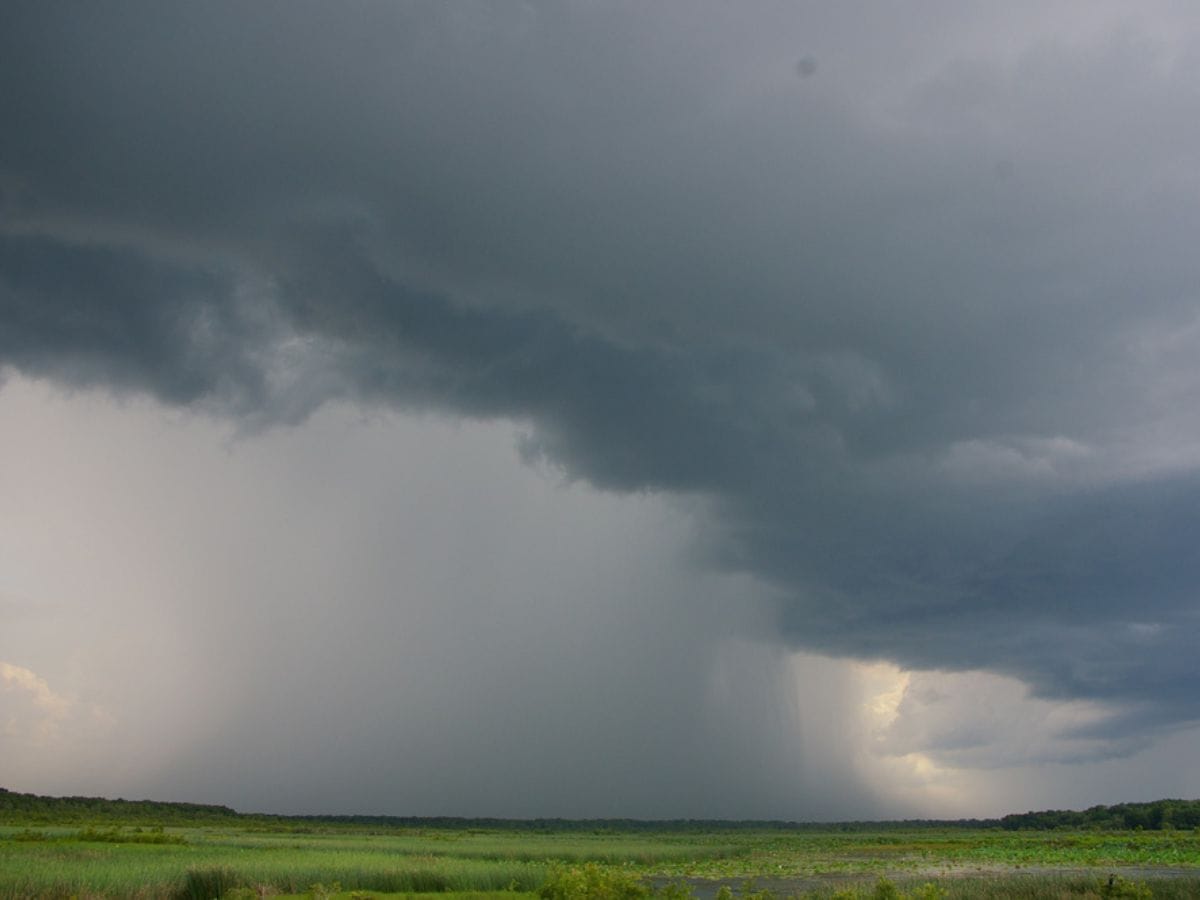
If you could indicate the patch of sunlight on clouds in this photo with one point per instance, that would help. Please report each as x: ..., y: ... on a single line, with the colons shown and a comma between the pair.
x: 18, y: 678
x: 948, y: 744
x: 885, y: 685
x: 36, y: 717
x: 913, y: 778
x: 981, y: 720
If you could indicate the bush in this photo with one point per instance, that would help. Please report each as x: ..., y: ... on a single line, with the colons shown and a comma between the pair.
x: 885, y: 889
x: 1118, y: 887
x: 117, y: 836
x: 205, y: 884
x: 929, y: 891
x: 592, y: 882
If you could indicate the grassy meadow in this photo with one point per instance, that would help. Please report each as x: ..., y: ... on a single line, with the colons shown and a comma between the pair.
x: 344, y: 861
x: 152, y: 852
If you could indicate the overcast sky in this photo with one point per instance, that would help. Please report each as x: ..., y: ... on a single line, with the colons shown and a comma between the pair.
x: 601, y: 409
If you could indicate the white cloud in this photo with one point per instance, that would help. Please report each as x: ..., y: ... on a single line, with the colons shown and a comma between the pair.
x: 39, y: 724
x: 29, y: 709
x: 18, y: 678
x: 971, y: 744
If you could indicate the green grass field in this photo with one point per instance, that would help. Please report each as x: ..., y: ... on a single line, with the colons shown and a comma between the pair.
x: 206, y: 862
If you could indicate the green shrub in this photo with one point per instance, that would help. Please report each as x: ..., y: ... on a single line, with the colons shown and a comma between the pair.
x: 117, y: 836
x: 29, y: 835
x: 929, y: 891
x: 750, y: 891
x: 205, y: 884
x: 592, y: 882
x: 1118, y: 887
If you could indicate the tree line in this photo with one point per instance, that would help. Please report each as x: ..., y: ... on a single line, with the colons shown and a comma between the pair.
x: 1158, y: 815
x: 16, y: 808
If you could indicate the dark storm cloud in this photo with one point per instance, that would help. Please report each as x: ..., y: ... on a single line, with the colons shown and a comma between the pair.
x: 86, y: 315
x: 920, y: 327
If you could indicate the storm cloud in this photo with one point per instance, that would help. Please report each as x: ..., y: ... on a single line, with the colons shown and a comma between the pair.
x: 903, y: 317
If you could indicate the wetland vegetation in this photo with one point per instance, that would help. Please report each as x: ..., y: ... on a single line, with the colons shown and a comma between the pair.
x: 91, y: 848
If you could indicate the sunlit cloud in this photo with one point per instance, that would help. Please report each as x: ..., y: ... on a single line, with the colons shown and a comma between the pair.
x: 43, y: 708
x: 36, y: 719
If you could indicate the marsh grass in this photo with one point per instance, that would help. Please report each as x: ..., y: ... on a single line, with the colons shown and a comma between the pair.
x: 110, y: 835
x: 90, y: 862
x: 69, y: 868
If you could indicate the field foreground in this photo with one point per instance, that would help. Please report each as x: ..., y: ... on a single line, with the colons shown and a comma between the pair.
x: 339, y: 860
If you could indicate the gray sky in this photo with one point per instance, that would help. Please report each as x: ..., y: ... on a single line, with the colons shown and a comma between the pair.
x: 600, y: 408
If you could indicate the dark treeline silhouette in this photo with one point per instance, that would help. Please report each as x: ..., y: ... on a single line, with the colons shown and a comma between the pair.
x: 18, y: 808
x: 34, y: 808
x: 1155, y: 816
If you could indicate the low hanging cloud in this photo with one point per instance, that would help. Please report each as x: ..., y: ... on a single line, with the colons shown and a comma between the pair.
x: 917, y: 331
